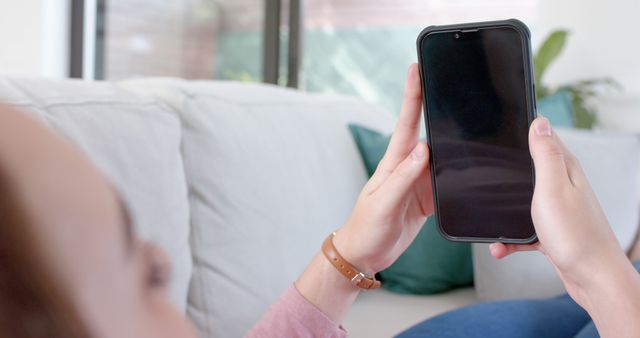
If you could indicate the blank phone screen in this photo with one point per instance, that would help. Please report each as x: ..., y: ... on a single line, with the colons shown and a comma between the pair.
x: 478, y: 116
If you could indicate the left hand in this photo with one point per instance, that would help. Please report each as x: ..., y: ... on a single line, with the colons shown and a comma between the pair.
x: 396, y: 201
x: 572, y: 229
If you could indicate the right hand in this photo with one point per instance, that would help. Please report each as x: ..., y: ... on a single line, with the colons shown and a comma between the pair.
x: 573, y: 231
x: 395, y: 202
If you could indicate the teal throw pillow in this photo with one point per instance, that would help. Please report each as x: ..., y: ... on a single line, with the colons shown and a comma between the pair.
x: 558, y: 108
x: 431, y: 264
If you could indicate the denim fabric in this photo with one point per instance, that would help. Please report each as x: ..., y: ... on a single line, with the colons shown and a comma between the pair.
x: 555, y: 317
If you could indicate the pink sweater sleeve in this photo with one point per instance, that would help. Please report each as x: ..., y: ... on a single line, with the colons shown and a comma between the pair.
x: 293, y: 316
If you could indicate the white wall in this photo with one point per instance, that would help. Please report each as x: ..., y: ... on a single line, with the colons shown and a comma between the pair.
x: 603, y: 42
x: 34, y: 38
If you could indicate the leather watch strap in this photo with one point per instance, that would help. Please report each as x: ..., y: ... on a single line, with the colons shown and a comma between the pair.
x: 354, y: 275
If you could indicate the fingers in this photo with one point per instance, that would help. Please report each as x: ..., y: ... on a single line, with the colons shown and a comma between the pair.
x: 574, y: 169
x: 501, y: 250
x: 402, y: 180
x: 548, y: 155
x: 407, y: 129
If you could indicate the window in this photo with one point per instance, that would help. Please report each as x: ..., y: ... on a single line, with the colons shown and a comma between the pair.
x: 194, y: 39
x: 363, y: 47
x: 352, y: 47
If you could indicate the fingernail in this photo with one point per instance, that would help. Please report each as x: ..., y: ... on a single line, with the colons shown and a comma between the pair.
x: 418, y: 152
x: 492, y: 247
x: 543, y: 127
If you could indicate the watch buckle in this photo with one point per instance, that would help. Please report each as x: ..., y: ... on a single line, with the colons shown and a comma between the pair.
x: 358, y: 278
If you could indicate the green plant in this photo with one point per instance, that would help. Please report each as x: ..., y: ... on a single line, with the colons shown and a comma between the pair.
x: 582, y: 92
x: 241, y: 76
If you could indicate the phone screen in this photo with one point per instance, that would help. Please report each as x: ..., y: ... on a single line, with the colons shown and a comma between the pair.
x: 478, y: 112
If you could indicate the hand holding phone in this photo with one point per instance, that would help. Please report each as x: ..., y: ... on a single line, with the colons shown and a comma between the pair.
x: 576, y: 237
x: 397, y: 199
x: 388, y: 214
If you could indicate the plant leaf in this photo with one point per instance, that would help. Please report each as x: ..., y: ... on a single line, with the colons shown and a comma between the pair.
x: 605, y: 82
x: 548, y: 52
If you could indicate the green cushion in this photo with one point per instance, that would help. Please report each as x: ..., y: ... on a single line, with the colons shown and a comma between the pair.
x: 431, y: 264
x: 558, y: 108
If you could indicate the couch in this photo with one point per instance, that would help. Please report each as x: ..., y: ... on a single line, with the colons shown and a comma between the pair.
x: 240, y: 183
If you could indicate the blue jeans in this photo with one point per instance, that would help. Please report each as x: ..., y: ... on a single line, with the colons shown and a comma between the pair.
x: 557, y: 317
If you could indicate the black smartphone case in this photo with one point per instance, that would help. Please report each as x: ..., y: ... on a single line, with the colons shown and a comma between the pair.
x: 524, y: 32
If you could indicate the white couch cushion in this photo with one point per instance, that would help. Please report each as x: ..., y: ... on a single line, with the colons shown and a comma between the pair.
x: 271, y: 172
x: 135, y: 142
x: 611, y: 165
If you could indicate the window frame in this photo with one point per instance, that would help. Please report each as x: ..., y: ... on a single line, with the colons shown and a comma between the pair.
x: 87, y: 32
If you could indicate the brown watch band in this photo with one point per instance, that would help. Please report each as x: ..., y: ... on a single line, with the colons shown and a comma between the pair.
x: 354, y: 275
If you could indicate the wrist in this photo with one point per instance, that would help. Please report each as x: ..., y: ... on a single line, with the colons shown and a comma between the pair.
x: 612, y: 279
x: 324, y: 287
x: 612, y: 299
x: 348, y: 248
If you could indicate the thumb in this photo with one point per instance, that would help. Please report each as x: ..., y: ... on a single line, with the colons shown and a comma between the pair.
x: 398, y: 185
x: 547, y: 153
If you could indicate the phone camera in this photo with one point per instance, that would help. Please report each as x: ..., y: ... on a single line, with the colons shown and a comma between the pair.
x: 456, y: 35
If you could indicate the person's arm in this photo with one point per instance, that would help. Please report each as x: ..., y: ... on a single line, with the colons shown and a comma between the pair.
x: 612, y: 299
x: 575, y: 235
x: 294, y: 316
x: 388, y: 215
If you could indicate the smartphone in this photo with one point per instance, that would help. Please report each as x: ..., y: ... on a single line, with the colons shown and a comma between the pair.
x: 479, y: 100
